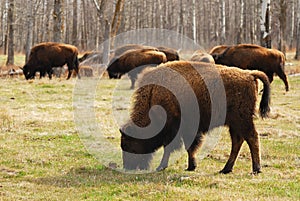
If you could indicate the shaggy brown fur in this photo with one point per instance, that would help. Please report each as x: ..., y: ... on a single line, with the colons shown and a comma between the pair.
x: 218, y: 49
x: 254, y: 57
x: 202, y: 57
x: 241, y: 95
x: 172, y: 55
x: 44, y: 56
x: 134, y: 59
x: 122, y: 49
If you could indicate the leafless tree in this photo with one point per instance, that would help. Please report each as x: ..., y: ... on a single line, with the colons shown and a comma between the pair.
x: 57, y: 18
x: 207, y: 22
x: 10, y: 24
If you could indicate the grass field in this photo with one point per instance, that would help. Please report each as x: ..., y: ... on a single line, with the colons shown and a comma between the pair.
x: 44, y: 153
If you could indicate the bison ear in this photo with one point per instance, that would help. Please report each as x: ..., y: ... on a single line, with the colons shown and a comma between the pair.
x: 215, y: 56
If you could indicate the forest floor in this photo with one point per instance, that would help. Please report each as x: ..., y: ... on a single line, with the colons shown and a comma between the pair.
x: 45, y: 153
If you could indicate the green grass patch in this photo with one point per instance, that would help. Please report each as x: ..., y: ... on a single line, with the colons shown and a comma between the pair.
x: 43, y: 155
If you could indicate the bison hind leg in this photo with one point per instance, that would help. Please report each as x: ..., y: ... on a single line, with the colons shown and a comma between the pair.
x: 236, y: 143
x: 192, y: 164
x: 165, y: 160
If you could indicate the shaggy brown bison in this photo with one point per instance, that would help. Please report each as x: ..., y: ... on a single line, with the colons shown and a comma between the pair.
x: 254, y: 57
x: 171, y: 54
x: 94, y: 57
x: 151, y: 127
x: 122, y: 49
x: 202, y: 57
x: 218, y: 49
x: 133, y: 62
x: 44, y: 56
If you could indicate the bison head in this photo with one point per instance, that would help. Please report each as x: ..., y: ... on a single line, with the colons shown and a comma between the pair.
x: 114, y: 75
x: 27, y: 73
x: 135, y: 153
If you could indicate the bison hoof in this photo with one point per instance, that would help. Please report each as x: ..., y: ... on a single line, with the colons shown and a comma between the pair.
x: 255, y: 172
x: 224, y: 171
x: 160, y: 168
x: 191, y: 168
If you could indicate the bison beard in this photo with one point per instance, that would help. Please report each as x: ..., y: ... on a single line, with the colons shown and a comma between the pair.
x: 241, y: 94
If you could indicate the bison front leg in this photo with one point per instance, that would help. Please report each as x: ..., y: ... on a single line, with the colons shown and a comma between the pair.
x: 283, y: 77
x: 69, y: 74
x: 133, y: 77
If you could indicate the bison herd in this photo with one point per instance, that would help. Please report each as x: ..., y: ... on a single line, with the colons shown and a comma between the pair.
x: 237, y: 66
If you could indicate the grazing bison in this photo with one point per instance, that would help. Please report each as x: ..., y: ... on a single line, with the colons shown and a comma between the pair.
x: 202, y: 57
x: 122, y: 49
x: 240, y: 88
x: 92, y: 57
x: 133, y: 62
x: 254, y: 57
x: 44, y: 56
x: 218, y: 49
x: 170, y: 53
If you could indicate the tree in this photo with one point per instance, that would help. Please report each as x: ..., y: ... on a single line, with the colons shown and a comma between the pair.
x: 57, y: 18
x: 117, y: 19
x: 75, y: 22
x: 297, y: 56
x: 29, y: 31
x: 265, y: 24
x: 223, y: 22
x: 10, y: 22
x: 282, y: 20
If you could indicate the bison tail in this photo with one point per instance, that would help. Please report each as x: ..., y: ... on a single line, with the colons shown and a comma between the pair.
x: 264, y: 107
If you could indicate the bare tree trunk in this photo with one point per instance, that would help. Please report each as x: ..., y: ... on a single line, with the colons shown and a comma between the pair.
x: 75, y: 22
x: 223, y: 22
x: 84, y: 30
x: 57, y: 18
x: 29, y: 31
x: 10, y: 22
x: 106, y: 48
x: 282, y: 19
x: 291, y: 37
x: 100, y: 7
x: 194, y: 21
x: 240, y: 29
x: 116, y: 20
x: 297, y: 56
x: 265, y: 24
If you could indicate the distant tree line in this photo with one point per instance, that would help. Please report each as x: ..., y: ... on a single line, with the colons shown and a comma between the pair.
x: 83, y: 23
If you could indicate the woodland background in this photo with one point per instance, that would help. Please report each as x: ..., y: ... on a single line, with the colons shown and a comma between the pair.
x: 83, y: 23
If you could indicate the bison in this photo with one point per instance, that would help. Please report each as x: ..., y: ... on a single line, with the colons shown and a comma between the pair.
x: 171, y: 54
x: 44, y: 56
x: 253, y: 57
x: 122, y: 49
x: 201, y: 56
x: 218, y: 49
x: 93, y: 57
x: 139, y: 142
x: 133, y: 62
